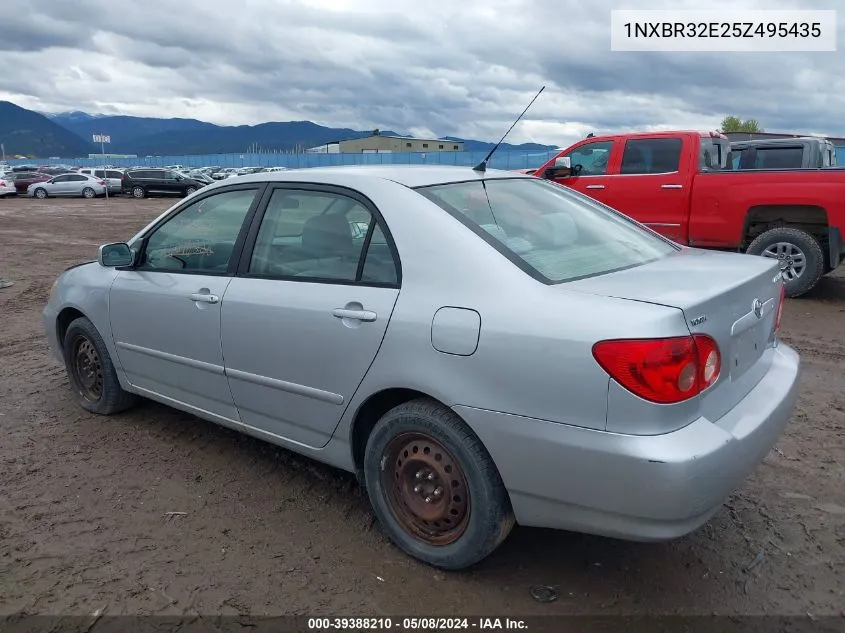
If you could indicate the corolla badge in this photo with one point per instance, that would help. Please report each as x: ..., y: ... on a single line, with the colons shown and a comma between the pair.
x: 757, y: 306
x: 698, y: 320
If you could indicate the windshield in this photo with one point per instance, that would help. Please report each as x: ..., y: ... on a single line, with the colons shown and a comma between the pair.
x: 548, y: 230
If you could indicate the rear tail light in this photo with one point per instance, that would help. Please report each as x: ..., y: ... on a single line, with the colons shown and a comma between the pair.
x: 779, y: 313
x: 662, y: 370
x: 101, y: 182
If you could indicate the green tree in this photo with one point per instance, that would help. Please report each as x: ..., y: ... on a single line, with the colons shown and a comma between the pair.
x: 735, y: 124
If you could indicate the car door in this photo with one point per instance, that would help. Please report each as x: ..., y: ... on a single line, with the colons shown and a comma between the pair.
x: 653, y: 184
x: 171, y: 183
x: 305, y: 316
x: 592, y: 160
x: 165, y: 311
x: 59, y: 186
x: 76, y: 183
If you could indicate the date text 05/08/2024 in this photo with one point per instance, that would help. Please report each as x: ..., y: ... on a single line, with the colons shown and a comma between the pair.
x: 416, y: 624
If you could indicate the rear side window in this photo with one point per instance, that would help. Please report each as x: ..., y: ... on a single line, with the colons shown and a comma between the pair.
x: 779, y: 157
x: 114, y: 174
x: 651, y: 156
x: 551, y: 232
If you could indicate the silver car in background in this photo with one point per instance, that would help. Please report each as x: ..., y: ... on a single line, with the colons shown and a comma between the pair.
x: 73, y: 184
x: 480, y: 348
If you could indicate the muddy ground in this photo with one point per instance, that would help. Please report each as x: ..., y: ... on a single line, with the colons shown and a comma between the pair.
x: 84, y: 500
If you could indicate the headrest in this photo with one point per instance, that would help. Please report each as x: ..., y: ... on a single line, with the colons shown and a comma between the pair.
x: 564, y: 230
x: 327, y: 235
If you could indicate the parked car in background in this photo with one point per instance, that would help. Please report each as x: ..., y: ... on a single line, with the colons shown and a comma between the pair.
x: 680, y: 185
x: 141, y: 183
x: 7, y: 187
x: 72, y: 185
x: 23, y: 179
x: 783, y: 153
x: 227, y: 172
x: 254, y: 305
x: 197, y: 175
x: 113, y: 177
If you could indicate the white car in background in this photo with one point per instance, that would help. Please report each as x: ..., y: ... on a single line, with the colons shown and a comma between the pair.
x: 112, y: 176
x: 7, y: 187
x: 76, y: 185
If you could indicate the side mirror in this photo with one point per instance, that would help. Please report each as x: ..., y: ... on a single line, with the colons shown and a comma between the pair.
x: 115, y: 255
x: 561, y: 168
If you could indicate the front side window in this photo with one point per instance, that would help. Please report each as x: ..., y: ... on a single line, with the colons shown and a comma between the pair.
x: 201, y: 237
x: 553, y: 233
x: 321, y: 235
x: 651, y: 156
x: 593, y: 158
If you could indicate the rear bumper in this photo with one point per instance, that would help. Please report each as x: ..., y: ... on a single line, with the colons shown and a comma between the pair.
x: 645, y: 488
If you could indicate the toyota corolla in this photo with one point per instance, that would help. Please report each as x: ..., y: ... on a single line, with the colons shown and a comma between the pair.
x: 481, y: 348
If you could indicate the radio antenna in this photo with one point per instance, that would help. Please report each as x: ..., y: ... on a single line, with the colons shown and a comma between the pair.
x: 482, y: 166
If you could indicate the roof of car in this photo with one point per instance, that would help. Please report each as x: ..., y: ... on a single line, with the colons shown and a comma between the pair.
x: 408, y: 175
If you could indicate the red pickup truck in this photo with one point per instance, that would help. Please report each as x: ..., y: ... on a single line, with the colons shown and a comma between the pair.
x: 681, y: 185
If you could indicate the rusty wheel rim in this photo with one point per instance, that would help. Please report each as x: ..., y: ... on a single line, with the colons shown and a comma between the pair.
x: 426, y: 489
x: 88, y: 370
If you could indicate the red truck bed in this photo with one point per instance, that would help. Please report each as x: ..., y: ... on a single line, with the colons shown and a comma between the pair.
x: 680, y: 185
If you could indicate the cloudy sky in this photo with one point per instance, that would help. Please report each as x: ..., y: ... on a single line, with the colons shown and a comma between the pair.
x: 446, y: 67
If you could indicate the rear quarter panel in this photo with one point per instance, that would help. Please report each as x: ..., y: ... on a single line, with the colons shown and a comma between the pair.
x: 721, y: 200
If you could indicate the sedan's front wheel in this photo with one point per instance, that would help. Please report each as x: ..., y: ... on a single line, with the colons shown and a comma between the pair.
x: 434, y: 487
x: 91, y: 372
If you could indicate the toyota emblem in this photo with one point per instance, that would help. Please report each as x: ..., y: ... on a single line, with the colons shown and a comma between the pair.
x: 758, y: 308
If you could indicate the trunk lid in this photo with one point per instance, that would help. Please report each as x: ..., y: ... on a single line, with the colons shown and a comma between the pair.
x: 729, y: 296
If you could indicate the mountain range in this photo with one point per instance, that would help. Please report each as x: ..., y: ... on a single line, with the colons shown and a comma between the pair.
x: 69, y: 134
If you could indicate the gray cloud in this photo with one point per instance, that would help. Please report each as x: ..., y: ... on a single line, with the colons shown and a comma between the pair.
x: 463, y: 68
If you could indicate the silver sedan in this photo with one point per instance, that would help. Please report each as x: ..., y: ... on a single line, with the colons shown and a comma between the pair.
x: 480, y: 348
x: 76, y: 185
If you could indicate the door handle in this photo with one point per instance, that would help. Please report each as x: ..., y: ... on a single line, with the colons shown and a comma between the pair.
x: 671, y: 186
x: 203, y: 297
x: 595, y: 186
x: 358, y: 315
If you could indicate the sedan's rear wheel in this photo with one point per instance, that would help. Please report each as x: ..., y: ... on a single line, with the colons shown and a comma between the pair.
x: 138, y: 192
x: 40, y: 193
x: 434, y: 487
x: 88, y: 192
x: 91, y: 372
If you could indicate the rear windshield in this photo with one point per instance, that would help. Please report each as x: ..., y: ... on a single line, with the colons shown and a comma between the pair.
x: 548, y: 230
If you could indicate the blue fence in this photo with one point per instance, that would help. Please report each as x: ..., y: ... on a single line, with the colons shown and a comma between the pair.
x: 500, y: 160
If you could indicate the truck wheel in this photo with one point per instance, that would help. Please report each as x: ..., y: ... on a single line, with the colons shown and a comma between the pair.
x: 434, y: 487
x: 800, y: 255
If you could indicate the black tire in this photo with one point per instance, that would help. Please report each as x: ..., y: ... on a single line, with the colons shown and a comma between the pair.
x: 796, y: 243
x: 487, y: 519
x: 89, y: 193
x: 83, y: 339
x: 40, y: 193
x: 189, y: 191
x: 138, y: 192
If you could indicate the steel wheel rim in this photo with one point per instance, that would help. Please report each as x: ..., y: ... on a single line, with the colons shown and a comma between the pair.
x: 792, y: 259
x: 426, y: 489
x: 138, y: 192
x: 88, y: 370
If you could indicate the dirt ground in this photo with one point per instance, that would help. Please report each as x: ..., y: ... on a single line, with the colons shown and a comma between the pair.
x: 84, y: 500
